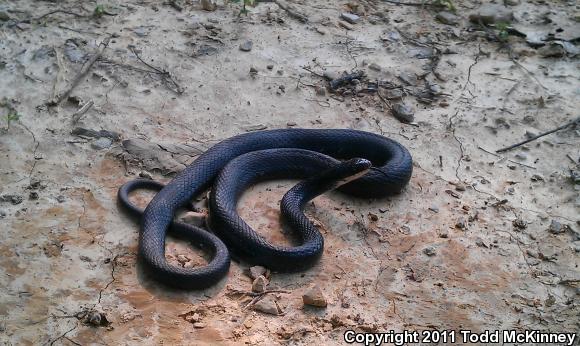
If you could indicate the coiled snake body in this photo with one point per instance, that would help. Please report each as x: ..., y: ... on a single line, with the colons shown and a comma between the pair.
x: 234, y: 164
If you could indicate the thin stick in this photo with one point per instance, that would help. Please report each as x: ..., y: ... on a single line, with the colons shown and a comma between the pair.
x: 81, y: 111
x: 293, y: 13
x: 538, y: 136
x: 501, y: 158
x: 83, y: 72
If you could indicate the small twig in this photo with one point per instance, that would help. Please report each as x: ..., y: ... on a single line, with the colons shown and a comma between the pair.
x: 420, y: 4
x: 291, y: 12
x: 169, y: 82
x: 83, y: 72
x: 28, y: 20
x: 81, y: 111
x: 570, y: 123
x: 501, y: 157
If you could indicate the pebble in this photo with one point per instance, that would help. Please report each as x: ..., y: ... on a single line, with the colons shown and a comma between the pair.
x: 403, y: 112
x: 314, y: 297
x: 4, y: 16
x: 253, y: 70
x: 520, y: 224
x: 14, y: 199
x: 556, y: 227
x: 146, y: 175
x: 492, y: 13
x: 345, y: 25
x: 461, y: 224
x: 460, y: 187
x: 350, y: 17
x: 321, y: 31
x: 393, y: 94
x: 447, y: 18
x: 194, y: 218
x: 320, y: 91
x: 60, y: 198
x: 102, y: 143
x: 2, y: 214
x: 521, y: 156
x: 291, y: 123
x: 267, y: 305
x: 269, y: 67
x: 552, y: 50
x: 434, y: 209
x: 429, y: 251
x: 537, y: 177
x: 260, y: 284
x: 375, y: 67
x: 443, y: 234
x: 257, y: 271
x: 208, y: 5
x: 246, y: 46
x: 33, y: 195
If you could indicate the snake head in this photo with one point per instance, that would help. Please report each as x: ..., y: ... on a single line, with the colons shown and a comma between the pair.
x: 348, y: 171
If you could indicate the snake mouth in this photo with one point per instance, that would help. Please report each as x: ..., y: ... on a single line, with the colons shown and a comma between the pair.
x: 353, y: 169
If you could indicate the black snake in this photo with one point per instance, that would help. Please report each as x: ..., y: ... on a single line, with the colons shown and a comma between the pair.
x: 230, y: 166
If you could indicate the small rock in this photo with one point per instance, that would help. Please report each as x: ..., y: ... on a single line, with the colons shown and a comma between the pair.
x: 443, y: 234
x: 267, y: 305
x: 314, y: 297
x: 182, y: 259
x: 403, y: 112
x: 479, y: 242
x: 33, y: 195
x: 447, y: 18
x: 461, y: 224
x: 199, y: 325
x: 246, y: 46
x: 492, y: 13
x: 4, y: 16
x: 552, y: 50
x: 2, y: 214
x: 460, y: 187
x: 102, y: 143
x: 97, y: 319
x: 393, y: 94
x: 60, y: 198
x: 520, y: 224
x: 409, y: 79
x: 511, y: 2
x: 556, y: 227
x: 270, y: 66
x: 258, y: 271
x: 291, y: 123
x: 434, y: 208
x: 320, y: 91
x: 208, y: 5
x: 141, y: 31
x: 345, y: 25
x: 146, y: 175
x: 429, y: 251
x: 375, y: 67
x: 321, y: 31
x: 14, y: 199
x: 253, y: 70
x: 260, y: 284
x: 194, y: 218
x: 350, y: 17
x: 537, y: 177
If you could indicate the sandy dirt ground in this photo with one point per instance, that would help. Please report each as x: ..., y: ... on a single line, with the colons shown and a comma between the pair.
x: 478, y: 240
